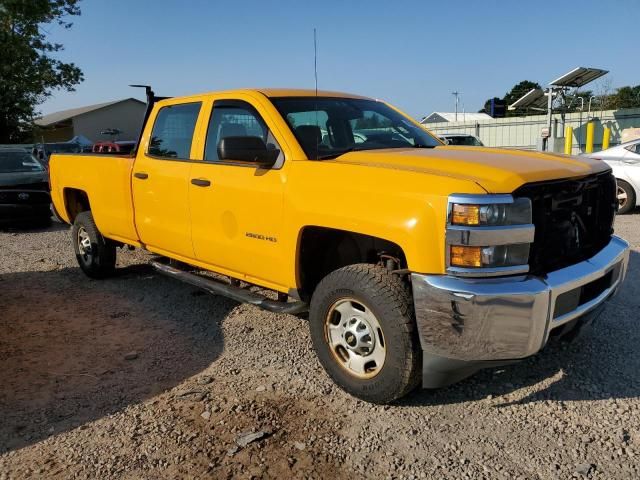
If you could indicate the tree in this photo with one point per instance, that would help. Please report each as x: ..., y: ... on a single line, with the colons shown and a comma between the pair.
x: 487, y: 105
x: 579, y: 101
x: 628, y: 97
x: 518, y: 91
x: 514, y: 94
x: 28, y: 72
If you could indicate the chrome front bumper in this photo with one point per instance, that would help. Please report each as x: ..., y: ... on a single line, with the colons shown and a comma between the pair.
x: 498, y: 319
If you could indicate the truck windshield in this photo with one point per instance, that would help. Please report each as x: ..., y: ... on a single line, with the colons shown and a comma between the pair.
x: 327, y: 127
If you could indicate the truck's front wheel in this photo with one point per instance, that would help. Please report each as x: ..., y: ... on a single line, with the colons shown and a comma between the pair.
x: 363, y: 330
x: 96, y: 255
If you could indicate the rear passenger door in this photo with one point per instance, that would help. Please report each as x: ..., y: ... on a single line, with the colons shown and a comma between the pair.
x: 161, y: 180
x: 236, y: 206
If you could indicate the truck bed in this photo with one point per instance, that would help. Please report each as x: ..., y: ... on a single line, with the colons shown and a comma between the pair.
x: 106, y: 181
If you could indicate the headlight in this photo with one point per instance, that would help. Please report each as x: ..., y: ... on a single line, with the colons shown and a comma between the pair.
x: 493, y: 214
x: 488, y: 235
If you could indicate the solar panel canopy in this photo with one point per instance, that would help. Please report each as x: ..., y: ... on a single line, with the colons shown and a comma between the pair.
x: 578, y: 77
x: 533, y: 98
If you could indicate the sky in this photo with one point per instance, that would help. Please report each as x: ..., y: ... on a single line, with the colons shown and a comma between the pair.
x: 413, y: 54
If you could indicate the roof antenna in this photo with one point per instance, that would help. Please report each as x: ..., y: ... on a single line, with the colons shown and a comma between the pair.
x: 315, y: 75
x: 315, y: 58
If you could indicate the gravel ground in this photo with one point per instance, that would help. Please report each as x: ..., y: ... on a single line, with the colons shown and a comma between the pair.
x: 140, y: 376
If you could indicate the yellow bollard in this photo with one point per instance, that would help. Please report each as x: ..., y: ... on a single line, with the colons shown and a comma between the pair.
x: 606, y: 136
x: 589, y: 146
x: 568, y: 140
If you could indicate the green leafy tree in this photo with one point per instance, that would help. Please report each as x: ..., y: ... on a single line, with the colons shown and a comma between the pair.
x: 517, y: 91
x: 628, y: 97
x: 487, y: 106
x: 28, y: 71
x: 579, y: 101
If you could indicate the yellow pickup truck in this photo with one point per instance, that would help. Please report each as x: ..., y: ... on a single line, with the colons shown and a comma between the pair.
x: 417, y: 262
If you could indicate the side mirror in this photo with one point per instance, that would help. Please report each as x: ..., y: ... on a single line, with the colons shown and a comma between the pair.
x: 247, y: 149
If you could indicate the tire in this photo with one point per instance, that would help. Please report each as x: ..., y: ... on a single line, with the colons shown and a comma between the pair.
x: 626, y: 197
x: 361, y: 296
x: 96, y: 255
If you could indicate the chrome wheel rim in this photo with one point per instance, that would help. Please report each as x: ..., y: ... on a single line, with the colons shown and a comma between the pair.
x: 355, y: 338
x: 623, y: 198
x: 84, y: 244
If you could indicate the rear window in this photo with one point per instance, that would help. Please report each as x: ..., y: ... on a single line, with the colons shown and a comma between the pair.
x: 173, y: 131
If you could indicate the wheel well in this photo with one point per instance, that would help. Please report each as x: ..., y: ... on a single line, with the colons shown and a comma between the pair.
x: 323, y: 250
x: 75, y: 202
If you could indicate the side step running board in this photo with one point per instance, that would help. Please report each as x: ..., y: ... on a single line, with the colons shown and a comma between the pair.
x: 236, y: 293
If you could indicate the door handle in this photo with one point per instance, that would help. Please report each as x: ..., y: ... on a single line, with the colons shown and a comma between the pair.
x: 200, y: 182
x: 141, y: 175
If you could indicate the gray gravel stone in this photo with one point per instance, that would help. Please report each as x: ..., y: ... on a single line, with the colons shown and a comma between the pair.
x: 246, y: 438
x: 541, y: 418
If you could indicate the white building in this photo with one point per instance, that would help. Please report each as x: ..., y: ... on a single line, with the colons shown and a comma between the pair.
x: 125, y: 115
x: 438, y: 117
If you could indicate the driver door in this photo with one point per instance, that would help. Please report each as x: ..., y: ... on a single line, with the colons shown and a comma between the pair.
x: 237, y: 206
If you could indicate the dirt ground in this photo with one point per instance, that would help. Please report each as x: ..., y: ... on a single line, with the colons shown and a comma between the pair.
x: 140, y: 376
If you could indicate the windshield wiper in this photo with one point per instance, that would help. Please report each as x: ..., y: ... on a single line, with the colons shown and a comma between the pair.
x: 420, y: 145
x: 330, y: 156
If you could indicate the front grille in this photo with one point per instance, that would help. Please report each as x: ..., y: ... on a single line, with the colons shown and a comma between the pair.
x: 44, y: 186
x: 27, y: 197
x: 573, y: 219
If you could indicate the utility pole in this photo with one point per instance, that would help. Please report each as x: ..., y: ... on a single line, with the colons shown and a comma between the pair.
x: 457, y: 95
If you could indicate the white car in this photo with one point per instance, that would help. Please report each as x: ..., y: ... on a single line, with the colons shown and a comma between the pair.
x: 624, y: 159
x: 460, y: 139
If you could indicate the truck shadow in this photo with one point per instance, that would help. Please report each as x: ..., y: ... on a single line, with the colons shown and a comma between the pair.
x: 602, y: 363
x: 33, y: 227
x: 74, y: 350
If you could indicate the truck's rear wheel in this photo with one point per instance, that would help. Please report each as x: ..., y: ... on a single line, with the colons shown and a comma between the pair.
x: 96, y: 255
x: 363, y: 330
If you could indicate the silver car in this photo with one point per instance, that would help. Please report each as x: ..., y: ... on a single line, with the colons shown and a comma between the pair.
x: 624, y: 159
x: 461, y: 139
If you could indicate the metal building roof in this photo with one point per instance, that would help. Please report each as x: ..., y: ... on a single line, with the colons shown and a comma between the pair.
x: 63, y: 115
x: 451, y: 117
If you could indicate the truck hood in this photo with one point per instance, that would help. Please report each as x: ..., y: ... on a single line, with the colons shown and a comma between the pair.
x: 496, y: 170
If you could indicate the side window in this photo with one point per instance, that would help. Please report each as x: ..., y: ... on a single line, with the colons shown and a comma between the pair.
x: 236, y: 119
x: 173, y: 131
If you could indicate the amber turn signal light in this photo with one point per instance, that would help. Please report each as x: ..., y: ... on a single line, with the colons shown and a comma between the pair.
x: 463, y: 256
x: 462, y: 214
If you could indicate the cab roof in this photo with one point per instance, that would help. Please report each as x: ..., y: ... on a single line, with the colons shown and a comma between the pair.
x: 300, y: 92
x: 275, y: 93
